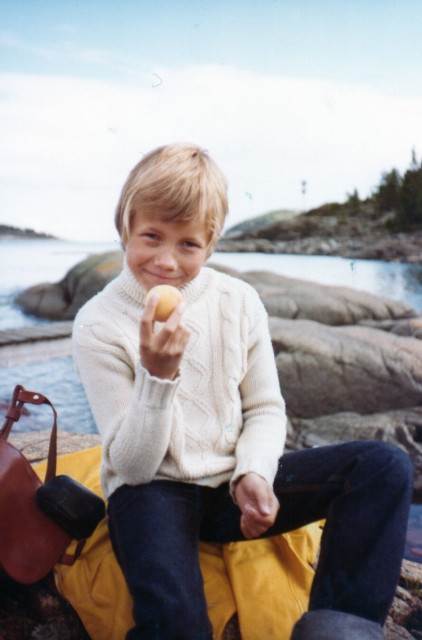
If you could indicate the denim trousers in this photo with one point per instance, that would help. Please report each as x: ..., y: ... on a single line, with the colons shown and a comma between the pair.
x: 363, y: 489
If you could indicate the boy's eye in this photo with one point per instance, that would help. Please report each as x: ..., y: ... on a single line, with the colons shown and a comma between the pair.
x: 189, y: 244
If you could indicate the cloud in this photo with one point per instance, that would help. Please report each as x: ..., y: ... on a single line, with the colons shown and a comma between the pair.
x: 68, y: 143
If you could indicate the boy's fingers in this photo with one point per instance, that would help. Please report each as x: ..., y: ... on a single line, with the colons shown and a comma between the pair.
x: 151, y: 304
x: 176, y: 315
x: 147, y: 319
x: 173, y: 330
x: 251, y: 529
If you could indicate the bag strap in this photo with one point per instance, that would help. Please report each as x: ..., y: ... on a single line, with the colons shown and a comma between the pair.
x: 69, y: 559
x: 20, y: 396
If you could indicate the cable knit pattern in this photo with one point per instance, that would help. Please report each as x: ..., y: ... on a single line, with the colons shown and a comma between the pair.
x: 222, y: 417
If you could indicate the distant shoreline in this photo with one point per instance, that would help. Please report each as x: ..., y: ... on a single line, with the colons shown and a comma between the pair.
x: 8, y: 232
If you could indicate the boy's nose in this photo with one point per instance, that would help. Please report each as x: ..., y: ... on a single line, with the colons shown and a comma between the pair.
x: 165, y: 259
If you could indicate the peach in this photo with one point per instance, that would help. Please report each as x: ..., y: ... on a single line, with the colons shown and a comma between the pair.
x: 169, y: 299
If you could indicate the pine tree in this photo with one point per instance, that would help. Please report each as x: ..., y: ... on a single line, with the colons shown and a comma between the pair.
x: 410, y: 202
x: 387, y: 196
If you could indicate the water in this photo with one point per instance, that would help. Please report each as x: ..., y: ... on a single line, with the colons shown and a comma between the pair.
x: 27, y: 262
x: 57, y: 380
x: 413, y: 547
x: 24, y: 263
x: 398, y: 281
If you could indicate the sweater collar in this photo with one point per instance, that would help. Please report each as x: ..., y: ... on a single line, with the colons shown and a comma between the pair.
x: 191, y: 291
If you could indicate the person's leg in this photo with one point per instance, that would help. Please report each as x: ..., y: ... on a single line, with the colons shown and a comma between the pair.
x: 368, y: 492
x: 363, y: 490
x: 154, y: 532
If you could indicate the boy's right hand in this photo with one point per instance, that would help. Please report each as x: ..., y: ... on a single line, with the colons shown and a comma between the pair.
x: 162, y: 352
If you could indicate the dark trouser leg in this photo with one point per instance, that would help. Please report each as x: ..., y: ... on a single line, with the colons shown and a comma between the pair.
x: 154, y: 531
x: 363, y: 490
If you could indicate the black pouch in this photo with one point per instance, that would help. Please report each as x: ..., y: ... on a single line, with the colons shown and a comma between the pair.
x: 76, y: 509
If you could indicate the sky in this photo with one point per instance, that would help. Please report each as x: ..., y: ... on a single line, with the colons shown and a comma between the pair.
x: 300, y: 102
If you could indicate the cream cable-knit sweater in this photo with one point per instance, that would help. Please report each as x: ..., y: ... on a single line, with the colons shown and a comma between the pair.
x: 222, y: 417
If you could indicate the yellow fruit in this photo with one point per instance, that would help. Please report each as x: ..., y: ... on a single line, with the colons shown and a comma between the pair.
x: 169, y: 299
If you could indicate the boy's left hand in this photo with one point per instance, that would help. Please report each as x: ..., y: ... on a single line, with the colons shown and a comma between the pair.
x: 258, y: 504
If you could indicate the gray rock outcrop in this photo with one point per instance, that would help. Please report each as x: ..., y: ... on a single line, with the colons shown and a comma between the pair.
x: 331, y: 230
x: 324, y: 369
x: 341, y: 354
x: 61, y: 300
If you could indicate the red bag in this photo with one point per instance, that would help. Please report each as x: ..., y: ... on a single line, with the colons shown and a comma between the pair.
x: 30, y: 542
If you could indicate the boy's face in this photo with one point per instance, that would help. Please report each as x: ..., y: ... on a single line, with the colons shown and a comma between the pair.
x: 160, y: 252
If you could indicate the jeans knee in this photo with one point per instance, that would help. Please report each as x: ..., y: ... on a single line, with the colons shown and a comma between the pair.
x: 392, y: 462
x: 323, y: 624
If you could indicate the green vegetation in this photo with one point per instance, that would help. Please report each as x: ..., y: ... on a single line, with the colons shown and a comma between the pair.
x: 403, y: 195
x: 396, y: 202
x: 15, y: 232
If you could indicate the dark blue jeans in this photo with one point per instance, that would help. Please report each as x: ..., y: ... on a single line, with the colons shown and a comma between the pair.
x: 363, y: 489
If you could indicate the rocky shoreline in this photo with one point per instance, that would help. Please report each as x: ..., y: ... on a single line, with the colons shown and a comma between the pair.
x: 377, y: 246
x: 349, y: 363
x: 362, y: 236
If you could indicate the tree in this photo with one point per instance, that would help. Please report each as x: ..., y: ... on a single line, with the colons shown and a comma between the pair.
x: 387, y: 196
x: 410, y: 203
x: 402, y: 195
x: 353, y: 203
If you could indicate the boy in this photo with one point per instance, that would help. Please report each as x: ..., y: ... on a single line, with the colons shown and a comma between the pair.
x: 193, y: 426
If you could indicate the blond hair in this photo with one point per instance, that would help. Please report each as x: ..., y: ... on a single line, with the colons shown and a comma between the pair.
x: 177, y: 182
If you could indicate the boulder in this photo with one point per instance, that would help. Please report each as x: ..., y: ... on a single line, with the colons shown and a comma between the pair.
x: 62, y: 300
x: 332, y: 305
x: 283, y: 297
x: 324, y: 370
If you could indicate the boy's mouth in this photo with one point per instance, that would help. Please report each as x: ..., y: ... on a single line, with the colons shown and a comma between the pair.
x: 159, y: 277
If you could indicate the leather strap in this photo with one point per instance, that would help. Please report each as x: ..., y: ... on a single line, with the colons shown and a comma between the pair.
x: 70, y: 558
x: 19, y: 398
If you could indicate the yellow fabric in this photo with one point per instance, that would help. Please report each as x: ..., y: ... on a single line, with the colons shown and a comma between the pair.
x: 267, y: 582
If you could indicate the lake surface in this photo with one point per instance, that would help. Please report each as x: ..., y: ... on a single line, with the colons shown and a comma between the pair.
x: 24, y: 263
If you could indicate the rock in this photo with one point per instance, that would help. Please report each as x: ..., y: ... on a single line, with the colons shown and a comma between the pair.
x: 406, y: 610
x: 34, y: 444
x: 37, y: 612
x: 332, y: 230
x: 299, y: 299
x: 325, y: 370
x: 61, y: 301
x: 408, y: 327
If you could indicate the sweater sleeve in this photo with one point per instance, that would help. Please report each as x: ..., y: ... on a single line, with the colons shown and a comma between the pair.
x: 133, y: 410
x: 261, y: 442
